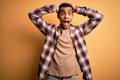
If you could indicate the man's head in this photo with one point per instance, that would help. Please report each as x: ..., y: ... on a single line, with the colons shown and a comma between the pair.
x: 65, y: 14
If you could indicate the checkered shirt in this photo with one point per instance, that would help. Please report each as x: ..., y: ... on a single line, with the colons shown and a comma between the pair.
x: 77, y: 34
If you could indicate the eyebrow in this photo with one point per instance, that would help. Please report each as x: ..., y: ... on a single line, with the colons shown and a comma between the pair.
x: 64, y: 11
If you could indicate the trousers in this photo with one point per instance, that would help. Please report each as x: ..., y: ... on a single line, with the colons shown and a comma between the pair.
x: 50, y: 77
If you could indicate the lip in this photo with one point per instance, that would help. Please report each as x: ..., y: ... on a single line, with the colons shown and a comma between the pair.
x: 66, y: 21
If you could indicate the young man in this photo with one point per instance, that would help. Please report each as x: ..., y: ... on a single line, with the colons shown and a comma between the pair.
x: 64, y: 53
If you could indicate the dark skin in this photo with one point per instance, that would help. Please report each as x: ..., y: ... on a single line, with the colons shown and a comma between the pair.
x: 65, y: 15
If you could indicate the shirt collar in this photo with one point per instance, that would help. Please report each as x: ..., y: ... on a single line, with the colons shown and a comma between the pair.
x: 59, y: 30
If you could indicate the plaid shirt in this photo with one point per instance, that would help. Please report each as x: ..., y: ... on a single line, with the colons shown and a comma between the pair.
x: 77, y: 34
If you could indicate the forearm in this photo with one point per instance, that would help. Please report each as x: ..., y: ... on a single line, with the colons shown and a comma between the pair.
x: 94, y: 18
x: 89, y: 12
x: 36, y: 17
x: 39, y: 12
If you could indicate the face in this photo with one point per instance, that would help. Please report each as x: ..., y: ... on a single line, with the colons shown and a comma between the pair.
x: 65, y: 16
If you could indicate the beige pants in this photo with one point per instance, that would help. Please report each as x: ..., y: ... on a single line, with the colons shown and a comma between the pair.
x: 49, y: 77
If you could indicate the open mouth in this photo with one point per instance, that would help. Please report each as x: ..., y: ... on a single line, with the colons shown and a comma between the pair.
x: 66, y: 21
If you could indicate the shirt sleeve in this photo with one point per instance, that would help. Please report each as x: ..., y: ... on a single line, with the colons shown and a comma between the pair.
x: 39, y: 22
x: 94, y: 19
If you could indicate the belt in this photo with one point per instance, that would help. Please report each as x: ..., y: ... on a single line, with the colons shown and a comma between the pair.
x: 66, y: 77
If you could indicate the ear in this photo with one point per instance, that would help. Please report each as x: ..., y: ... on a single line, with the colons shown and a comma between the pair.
x: 58, y: 15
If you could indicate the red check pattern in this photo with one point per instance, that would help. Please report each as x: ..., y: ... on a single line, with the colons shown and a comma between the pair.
x: 77, y: 34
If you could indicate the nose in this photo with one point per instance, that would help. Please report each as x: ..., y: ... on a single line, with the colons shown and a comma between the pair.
x: 66, y: 16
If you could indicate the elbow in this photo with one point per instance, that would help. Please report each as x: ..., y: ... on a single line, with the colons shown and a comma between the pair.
x: 33, y: 16
x: 30, y: 15
x: 99, y: 17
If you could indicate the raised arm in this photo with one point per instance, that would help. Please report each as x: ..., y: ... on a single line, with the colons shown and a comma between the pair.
x: 94, y: 18
x: 36, y: 17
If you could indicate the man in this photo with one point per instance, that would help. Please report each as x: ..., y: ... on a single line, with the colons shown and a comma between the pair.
x: 64, y: 53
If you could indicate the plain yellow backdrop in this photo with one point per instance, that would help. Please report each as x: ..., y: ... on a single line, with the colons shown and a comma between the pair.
x: 21, y: 42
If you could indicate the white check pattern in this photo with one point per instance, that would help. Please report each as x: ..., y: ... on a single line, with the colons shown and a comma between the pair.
x: 77, y: 34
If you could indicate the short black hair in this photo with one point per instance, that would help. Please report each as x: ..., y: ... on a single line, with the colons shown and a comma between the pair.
x: 65, y: 5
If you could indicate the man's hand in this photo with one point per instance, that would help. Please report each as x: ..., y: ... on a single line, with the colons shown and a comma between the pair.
x: 57, y: 6
x: 75, y: 7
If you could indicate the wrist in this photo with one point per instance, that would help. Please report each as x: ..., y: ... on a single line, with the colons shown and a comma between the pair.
x: 76, y: 9
x: 56, y: 7
x: 81, y: 10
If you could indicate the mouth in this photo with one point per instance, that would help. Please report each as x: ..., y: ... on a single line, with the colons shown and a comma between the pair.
x: 65, y: 21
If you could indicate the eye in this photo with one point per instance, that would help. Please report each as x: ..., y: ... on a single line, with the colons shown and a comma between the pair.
x: 70, y: 13
x: 62, y: 13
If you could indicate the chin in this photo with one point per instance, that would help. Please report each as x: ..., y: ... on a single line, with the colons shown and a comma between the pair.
x: 66, y: 26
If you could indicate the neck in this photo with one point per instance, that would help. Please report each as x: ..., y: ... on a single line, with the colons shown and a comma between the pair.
x: 65, y: 27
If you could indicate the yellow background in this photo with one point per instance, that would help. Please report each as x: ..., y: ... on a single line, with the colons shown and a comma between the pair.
x: 21, y: 41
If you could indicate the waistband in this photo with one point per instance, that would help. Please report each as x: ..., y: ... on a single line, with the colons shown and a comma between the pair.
x: 66, y: 77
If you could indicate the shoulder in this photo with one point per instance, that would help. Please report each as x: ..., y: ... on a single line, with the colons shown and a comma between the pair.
x: 77, y: 26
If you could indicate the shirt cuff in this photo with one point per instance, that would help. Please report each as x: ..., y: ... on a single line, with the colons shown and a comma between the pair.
x: 52, y: 7
x: 81, y: 10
